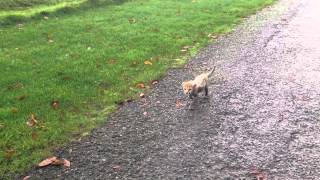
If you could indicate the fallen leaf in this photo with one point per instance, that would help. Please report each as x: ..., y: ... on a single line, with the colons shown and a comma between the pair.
x: 85, y: 134
x: 211, y: 36
x: 147, y: 63
x: 47, y: 161
x: 186, y: 47
x: 111, y: 61
x: 32, y: 121
x: 15, y: 86
x: 154, y: 82
x: 115, y: 167
x: 140, y: 85
x: 132, y: 20
x: 141, y: 95
x: 26, y: 178
x: 34, y: 135
x: 14, y: 110
x: 22, y: 97
x: 45, y: 17
x: 258, y: 174
x: 55, y: 104
x: 9, y: 153
x: 50, y: 41
x: 179, y: 104
x: 183, y: 50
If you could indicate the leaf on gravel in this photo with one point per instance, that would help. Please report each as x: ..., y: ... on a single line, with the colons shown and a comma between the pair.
x: 140, y: 85
x: 115, y: 167
x: 154, y: 82
x: 47, y: 161
x: 55, y: 104
x: 26, y: 178
x: 179, y: 104
x: 32, y: 121
x: 258, y: 174
x: 147, y: 63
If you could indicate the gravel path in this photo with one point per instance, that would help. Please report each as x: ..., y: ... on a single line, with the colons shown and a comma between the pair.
x: 262, y: 119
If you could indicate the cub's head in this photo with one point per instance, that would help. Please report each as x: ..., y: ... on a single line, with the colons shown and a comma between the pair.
x: 187, y: 87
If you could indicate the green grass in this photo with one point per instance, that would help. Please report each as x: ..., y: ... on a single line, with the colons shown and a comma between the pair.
x: 89, y: 61
x: 22, y: 4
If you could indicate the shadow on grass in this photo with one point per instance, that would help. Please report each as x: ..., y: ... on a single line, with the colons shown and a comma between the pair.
x: 89, y: 4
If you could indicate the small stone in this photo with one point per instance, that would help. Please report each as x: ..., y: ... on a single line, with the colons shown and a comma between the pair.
x: 141, y: 95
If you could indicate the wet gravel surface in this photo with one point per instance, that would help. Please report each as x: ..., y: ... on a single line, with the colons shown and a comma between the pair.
x: 261, y: 119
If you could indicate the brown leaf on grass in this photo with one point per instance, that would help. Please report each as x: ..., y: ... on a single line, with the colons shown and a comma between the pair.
x: 132, y: 20
x: 133, y: 64
x: 34, y: 135
x: 15, y: 86
x: 32, y: 121
x: 26, y: 178
x: 179, y: 104
x: 55, y: 104
x: 140, y: 85
x: 111, y: 61
x: 14, y: 110
x: 212, y: 36
x: 47, y: 161
x: 147, y: 63
x: 9, y: 153
x: 184, y: 50
x: 22, y: 97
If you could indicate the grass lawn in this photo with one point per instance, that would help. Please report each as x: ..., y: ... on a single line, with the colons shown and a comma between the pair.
x: 71, y: 70
x: 22, y: 4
